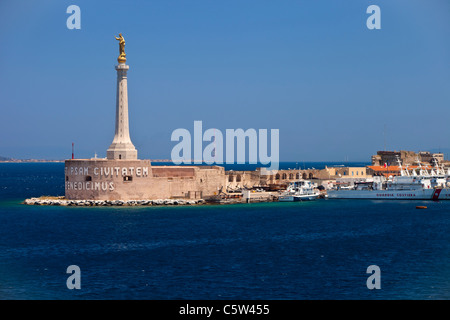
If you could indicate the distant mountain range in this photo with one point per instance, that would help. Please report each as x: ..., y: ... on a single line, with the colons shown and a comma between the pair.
x: 6, y: 159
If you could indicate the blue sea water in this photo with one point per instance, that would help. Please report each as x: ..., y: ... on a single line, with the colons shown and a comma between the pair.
x: 311, y: 250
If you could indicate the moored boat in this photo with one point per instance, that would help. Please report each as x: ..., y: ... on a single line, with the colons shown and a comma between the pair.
x: 302, y: 190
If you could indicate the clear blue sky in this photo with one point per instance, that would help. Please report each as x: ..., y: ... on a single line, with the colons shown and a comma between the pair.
x: 311, y: 69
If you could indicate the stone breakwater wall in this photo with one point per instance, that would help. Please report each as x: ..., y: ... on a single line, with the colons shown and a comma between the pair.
x: 93, y: 203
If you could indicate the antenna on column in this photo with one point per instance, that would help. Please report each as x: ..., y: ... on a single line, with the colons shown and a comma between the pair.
x: 72, y: 151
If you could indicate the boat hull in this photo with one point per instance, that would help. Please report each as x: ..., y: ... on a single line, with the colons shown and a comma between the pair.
x: 421, y: 194
x: 297, y: 198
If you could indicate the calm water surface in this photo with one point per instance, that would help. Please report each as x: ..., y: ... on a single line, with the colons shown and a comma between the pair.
x: 315, y: 250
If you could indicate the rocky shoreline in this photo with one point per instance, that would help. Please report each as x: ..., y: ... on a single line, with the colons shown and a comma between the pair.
x: 61, y: 201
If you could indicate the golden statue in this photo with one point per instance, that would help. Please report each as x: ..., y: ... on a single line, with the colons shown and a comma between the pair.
x: 122, y: 57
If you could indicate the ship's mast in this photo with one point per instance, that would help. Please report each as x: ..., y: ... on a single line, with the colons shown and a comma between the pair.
x: 407, y: 171
x: 439, y: 170
x: 422, y: 172
x: 402, y: 172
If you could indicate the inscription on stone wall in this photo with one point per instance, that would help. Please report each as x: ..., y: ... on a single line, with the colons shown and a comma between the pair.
x: 107, y: 171
x: 89, y: 185
x: 101, y: 172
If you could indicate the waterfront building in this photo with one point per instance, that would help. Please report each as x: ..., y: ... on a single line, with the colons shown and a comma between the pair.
x: 347, y: 172
x: 407, y: 158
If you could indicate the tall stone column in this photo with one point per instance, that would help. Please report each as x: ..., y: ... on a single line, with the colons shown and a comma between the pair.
x: 121, y: 147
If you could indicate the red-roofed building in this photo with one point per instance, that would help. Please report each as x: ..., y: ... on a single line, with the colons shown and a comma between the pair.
x: 391, y: 170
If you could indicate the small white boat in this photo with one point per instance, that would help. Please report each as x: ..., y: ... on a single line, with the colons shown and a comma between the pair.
x: 302, y: 190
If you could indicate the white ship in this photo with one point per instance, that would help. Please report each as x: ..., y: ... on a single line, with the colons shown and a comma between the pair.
x: 302, y: 190
x: 422, y: 186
